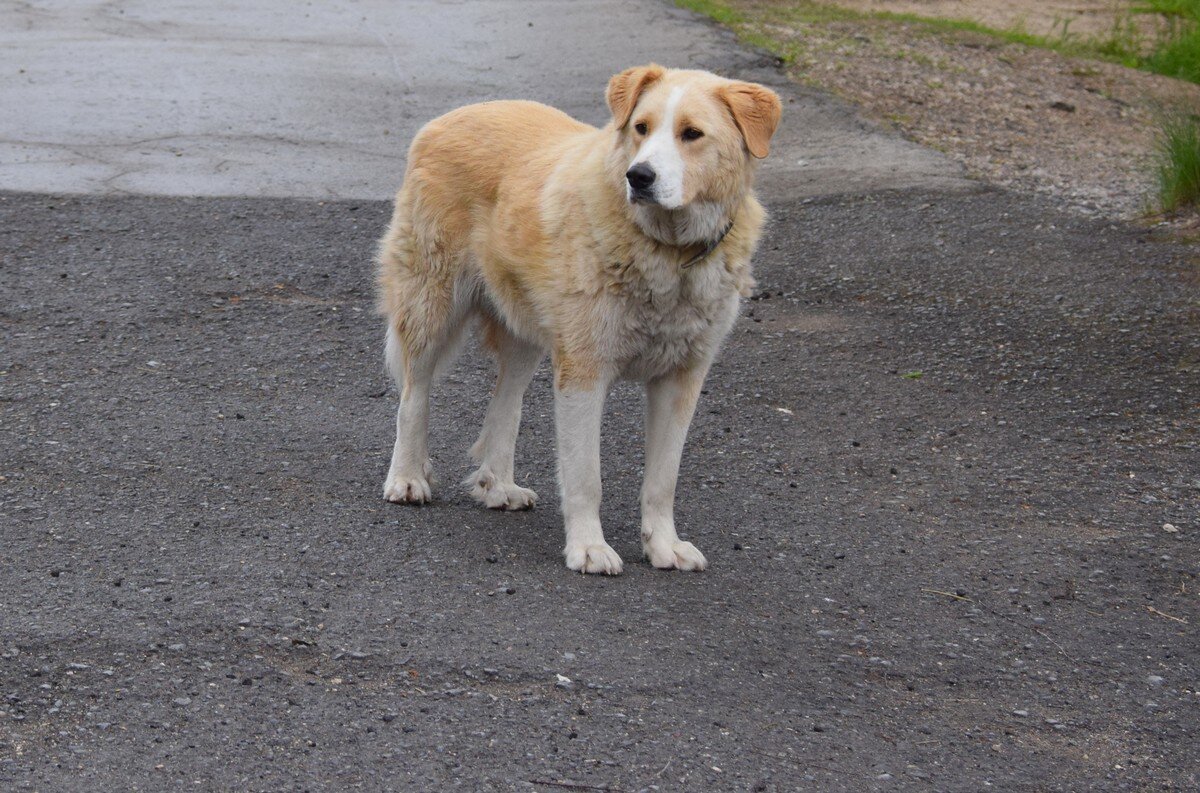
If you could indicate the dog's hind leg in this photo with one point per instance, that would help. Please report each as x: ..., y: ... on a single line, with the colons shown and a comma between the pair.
x: 492, y: 484
x: 427, y: 299
x: 408, y: 476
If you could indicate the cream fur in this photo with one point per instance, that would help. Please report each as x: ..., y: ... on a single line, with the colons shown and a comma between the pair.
x: 515, y: 213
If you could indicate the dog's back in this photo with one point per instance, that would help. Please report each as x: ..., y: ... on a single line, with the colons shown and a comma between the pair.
x: 457, y: 172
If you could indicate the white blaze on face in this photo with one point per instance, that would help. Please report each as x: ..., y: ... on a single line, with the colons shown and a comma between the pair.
x: 661, y: 152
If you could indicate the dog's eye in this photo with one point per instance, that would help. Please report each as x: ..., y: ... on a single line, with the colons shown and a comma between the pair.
x: 640, y: 128
x: 691, y: 133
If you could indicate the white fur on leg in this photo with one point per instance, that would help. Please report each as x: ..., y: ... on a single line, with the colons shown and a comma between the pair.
x: 488, y: 489
x: 408, y: 475
x: 410, y: 470
x: 677, y: 554
x: 577, y: 417
x: 407, y: 488
x: 593, y: 558
x: 670, y: 403
x: 492, y: 484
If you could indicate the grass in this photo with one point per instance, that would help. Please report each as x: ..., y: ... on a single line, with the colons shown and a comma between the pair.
x: 729, y: 16
x: 1179, y: 57
x: 1177, y: 52
x: 1178, y: 163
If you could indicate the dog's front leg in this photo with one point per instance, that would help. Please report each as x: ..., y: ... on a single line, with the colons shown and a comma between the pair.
x: 670, y: 403
x: 577, y: 414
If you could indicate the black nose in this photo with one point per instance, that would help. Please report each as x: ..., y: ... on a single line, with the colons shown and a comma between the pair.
x: 640, y: 176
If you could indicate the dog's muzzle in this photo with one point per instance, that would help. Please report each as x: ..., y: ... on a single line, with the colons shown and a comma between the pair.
x: 641, y: 183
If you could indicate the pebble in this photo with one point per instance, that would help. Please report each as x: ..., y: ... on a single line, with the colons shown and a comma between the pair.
x: 1154, y: 680
x: 182, y: 700
x: 1170, y: 528
x: 1021, y: 713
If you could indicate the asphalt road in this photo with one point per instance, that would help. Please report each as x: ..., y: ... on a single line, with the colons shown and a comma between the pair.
x: 931, y: 473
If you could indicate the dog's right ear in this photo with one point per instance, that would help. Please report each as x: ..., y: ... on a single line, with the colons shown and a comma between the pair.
x: 625, y: 88
x: 756, y: 111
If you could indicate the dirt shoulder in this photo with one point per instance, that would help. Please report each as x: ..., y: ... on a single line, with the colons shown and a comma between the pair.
x: 1023, y: 117
x: 1081, y: 18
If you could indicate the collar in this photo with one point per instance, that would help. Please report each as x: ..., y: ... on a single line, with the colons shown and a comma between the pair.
x: 709, y: 247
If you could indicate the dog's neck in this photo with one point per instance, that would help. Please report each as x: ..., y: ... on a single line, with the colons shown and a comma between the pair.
x: 698, y: 223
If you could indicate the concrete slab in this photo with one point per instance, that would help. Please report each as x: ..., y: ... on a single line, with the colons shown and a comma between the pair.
x: 282, y: 99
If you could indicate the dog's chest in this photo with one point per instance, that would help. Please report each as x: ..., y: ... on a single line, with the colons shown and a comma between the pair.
x: 676, y: 323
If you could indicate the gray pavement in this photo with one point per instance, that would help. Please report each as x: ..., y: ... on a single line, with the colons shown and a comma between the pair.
x: 945, y: 472
x: 277, y: 100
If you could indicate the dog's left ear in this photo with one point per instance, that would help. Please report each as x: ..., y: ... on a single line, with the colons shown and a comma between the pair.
x: 625, y: 88
x: 756, y: 111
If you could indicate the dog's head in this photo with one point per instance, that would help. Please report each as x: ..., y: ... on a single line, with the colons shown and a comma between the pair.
x: 688, y: 136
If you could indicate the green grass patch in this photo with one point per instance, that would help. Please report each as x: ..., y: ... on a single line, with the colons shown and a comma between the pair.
x: 721, y: 12
x: 1178, y: 56
x: 1176, y: 52
x: 1173, y: 10
x: 1178, y: 163
x: 731, y: 17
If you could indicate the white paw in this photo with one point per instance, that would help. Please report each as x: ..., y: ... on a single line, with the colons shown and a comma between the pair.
x: 674, y: 555
x: 407, y: 489
x: 499, y: 495
x: 596, y: 558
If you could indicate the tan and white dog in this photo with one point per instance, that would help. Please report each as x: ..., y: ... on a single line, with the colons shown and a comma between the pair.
x: 622, y: 251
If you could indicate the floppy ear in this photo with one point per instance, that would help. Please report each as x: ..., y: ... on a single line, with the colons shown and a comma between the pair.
x: 756, y: 111
x: 625, y: 88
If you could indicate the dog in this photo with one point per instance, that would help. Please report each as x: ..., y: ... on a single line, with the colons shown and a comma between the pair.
x: 621, y: 251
